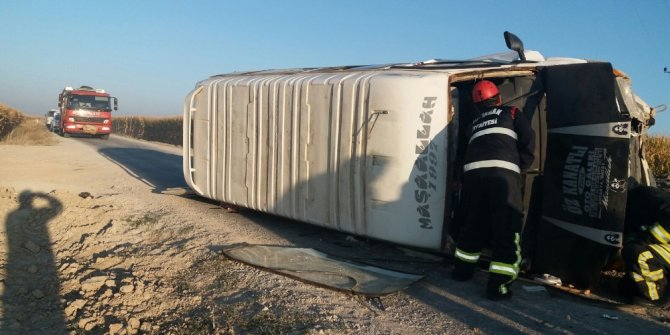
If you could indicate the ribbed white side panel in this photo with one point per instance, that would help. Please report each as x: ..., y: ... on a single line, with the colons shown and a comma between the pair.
x: 362, y: 152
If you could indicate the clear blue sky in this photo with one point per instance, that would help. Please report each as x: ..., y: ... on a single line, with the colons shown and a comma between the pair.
x: 150, y: 54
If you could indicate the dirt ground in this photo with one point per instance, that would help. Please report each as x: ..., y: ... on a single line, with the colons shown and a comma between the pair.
x: 88, y: 248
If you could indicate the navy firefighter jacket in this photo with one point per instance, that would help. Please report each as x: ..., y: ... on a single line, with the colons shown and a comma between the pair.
x: 500, y: 137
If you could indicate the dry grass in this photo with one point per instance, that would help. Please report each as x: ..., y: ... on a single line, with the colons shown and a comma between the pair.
x: 10, y: 118
x: 18, y: 129
x: 217, y: 279
x: 31, y: 131
x: 165, y: 130
x: 657, y: 151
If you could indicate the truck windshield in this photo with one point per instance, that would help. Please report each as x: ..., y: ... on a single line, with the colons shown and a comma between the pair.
x: 88, y: 102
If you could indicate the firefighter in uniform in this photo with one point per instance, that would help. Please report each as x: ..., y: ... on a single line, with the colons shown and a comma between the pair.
x: 500, y: 147
x: 646, y: 246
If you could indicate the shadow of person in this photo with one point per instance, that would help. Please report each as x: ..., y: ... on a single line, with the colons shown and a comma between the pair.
x: 31, y: 300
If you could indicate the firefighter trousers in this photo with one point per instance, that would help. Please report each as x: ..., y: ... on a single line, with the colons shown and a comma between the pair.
x: 492, y: 215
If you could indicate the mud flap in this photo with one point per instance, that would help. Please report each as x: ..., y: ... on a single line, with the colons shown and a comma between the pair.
x: 586, y: 169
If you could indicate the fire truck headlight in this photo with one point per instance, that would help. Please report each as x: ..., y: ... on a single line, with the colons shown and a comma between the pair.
x: 71, y: 119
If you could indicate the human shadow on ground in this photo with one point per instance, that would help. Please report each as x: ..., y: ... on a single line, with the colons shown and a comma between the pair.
x: 31, y: 296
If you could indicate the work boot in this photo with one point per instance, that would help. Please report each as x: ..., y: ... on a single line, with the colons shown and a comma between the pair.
x: 645, y: 302
x: 497, y: 296
x: 496, y: 290
x: 463, y: 271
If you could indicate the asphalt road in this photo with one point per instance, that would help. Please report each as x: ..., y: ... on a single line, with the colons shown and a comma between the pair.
x: 157, y: 165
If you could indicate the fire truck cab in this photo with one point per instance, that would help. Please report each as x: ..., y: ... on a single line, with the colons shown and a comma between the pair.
x: 86, y: 110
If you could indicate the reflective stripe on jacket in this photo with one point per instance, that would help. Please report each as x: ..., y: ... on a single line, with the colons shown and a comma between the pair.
x: 500, y: 137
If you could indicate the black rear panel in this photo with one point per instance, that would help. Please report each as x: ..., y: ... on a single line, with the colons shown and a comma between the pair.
x: 583, y: 188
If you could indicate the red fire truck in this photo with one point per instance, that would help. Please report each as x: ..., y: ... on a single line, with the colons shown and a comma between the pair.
x: 86, y: 110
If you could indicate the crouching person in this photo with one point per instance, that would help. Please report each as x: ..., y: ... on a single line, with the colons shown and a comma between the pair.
x: 646, y: 249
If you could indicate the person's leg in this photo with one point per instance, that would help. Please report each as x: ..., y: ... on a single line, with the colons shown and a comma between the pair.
x: 469, y: 242
x: 505, y: 199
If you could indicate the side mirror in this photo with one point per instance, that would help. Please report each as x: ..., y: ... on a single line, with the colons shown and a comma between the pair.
x: 116, y: 104
x: 514, y: 43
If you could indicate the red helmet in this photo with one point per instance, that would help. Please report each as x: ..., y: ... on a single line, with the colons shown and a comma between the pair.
x: 484, y: 90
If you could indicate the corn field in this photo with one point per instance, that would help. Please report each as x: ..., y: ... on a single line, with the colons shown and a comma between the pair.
x: 165, y: 130
x: 10, y: 118
x: 657, y: 151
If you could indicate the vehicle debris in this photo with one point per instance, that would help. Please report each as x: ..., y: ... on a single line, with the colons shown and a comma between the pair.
x: 611, y: 317
x: 534, y: 288
x: 313, y: 266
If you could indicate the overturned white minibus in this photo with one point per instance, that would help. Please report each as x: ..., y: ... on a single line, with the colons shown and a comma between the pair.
x: 372, y: 150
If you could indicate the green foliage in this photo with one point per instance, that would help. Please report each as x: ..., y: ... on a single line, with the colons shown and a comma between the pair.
x: 166, y: 130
